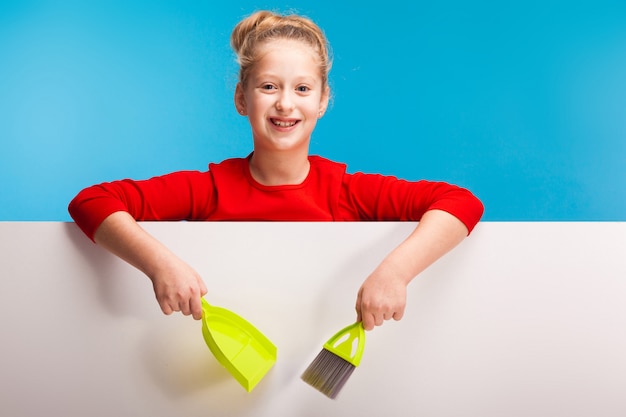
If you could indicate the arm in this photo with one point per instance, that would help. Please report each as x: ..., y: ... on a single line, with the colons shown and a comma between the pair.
x: 383, y: 294
x: 107, y: 214
x: 182, y: 195
x: 177, y: 286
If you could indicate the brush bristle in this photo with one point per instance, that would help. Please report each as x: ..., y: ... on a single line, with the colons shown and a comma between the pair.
x: 328, y: 373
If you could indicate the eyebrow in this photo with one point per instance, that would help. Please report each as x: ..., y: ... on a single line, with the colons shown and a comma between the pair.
x: 268, y: 75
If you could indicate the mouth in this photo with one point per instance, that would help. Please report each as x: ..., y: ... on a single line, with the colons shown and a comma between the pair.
x: 284, y: 123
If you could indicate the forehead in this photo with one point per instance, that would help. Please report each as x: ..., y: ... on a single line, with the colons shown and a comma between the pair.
x: 281, y: 53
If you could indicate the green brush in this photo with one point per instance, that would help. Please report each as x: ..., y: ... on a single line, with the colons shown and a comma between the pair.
x: 332, y: 367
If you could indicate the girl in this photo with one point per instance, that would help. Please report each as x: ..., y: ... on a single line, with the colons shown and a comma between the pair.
x: 282, y: 90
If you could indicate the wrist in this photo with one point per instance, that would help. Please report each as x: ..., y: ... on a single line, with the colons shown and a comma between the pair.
x: 396, y: 271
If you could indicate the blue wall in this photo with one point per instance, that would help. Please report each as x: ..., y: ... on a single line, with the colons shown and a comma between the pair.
x: 522, y: 102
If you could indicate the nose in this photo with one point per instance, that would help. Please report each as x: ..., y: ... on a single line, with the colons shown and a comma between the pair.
x: 284, y: 102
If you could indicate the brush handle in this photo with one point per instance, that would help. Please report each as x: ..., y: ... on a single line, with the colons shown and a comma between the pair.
x: 348, y: 343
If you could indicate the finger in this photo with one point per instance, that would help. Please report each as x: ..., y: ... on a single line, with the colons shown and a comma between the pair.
x: 203, y: 289
x: 164, y: 304
x: 368, y: 322
x: 166, y: 308
x: 196, y: 308
x: 184, y: 307
x: 358, y: 307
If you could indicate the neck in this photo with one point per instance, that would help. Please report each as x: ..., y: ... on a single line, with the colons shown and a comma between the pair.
x: 279, y: 168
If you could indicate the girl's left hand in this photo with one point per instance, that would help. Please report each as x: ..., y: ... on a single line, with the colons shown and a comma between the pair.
x: 383, y: 294
x: 381, y: 297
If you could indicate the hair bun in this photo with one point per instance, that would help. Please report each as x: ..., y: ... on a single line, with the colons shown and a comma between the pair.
x: 249, y: 25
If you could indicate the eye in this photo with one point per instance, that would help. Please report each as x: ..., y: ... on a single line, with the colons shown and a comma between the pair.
x: 303, y: 89
x: 268, y: 87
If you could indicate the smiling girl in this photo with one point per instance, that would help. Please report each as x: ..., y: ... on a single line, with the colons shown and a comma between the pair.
x: 283, y: 91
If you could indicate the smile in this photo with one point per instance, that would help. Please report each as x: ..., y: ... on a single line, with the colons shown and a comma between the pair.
x: 282, y: 123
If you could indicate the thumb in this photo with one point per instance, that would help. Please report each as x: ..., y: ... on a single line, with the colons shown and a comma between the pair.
x: 358, y: 307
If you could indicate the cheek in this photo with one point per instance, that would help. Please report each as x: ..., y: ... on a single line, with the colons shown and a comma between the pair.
x: 314, y: 107
x: 260, y: 103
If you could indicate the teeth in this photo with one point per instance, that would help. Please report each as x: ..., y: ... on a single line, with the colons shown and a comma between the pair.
x: 283, y: 124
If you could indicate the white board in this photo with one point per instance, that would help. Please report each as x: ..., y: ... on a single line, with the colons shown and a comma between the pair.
x: 522, y: 319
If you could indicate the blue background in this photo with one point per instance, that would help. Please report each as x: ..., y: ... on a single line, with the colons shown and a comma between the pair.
x: 522, y: 102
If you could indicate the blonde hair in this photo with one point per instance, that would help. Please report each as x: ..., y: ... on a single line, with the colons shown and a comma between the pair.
x: 264, y: 26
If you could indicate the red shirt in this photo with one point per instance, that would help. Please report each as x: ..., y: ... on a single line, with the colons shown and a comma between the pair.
x: 227, y: 191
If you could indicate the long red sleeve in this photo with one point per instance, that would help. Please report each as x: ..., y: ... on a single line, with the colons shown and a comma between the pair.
x: 227, y: 191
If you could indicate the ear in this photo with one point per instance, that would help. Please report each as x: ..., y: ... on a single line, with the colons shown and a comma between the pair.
x: 324, y: 102
x: 240, y: 100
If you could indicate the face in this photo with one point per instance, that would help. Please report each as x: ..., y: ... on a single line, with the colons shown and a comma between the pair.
x: 283, y: 96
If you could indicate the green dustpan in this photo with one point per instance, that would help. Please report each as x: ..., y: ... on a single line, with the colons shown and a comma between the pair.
x: 239, y: 346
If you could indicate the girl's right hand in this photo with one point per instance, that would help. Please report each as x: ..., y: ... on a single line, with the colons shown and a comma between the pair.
x: 178, y: 287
